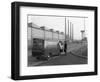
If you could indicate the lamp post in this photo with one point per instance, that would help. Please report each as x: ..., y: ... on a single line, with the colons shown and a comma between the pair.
x: 70, y: 30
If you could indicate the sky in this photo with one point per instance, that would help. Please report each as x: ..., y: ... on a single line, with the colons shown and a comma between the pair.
x: 58, y: 23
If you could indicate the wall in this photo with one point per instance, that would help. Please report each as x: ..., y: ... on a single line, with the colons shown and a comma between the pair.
x: 5, y: 41
x: 47, y: 34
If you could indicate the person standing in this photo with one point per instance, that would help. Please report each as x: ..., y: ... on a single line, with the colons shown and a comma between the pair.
x: 60, y: 46
x: 65, y: 47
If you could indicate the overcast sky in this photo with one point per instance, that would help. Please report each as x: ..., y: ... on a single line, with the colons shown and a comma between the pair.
x: 58, y: 23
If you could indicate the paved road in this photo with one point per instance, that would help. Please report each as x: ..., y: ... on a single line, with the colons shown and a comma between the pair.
x: 65, y: 60
x: 68, y: 59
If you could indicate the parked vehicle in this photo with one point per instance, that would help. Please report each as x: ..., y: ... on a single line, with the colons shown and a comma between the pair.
x: 44, y: 49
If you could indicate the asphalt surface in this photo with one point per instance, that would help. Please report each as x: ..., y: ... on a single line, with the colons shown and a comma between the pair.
x: 68, y: 59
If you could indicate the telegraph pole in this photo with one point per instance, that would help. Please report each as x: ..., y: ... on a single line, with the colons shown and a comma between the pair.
x: 68, y: 30
x: 65, y: 43
x: 65, y: 30
x: 84, y: 26
x: 72, y: 32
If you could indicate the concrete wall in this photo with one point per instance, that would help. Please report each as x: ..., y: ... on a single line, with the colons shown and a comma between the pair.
x: 37, y: 33
x: 33, y: 32
x: 48, y: 35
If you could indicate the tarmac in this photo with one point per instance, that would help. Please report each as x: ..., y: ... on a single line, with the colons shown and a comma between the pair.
x: 76, y: 54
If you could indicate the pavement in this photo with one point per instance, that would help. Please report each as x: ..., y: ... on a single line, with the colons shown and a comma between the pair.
x: 68, y: 59
x: 73, y: 56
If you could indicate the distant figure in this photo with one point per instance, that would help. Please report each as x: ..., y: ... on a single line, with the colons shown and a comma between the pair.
x: 65, y: 46
x: 61, y: 47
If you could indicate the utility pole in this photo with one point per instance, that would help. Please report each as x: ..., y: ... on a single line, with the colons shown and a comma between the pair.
x: 72, y: 32
x: 84, y: 26
x: 65, y: 30
x: 68, y: 30
x: 82, y: 34
x: 65, y: 43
